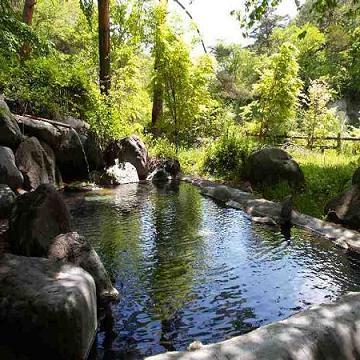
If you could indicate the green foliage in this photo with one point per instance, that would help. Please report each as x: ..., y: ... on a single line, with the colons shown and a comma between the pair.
x: 13, y: 33
x: 277, y: 94
x: 318, y: 120
x: 227, y: 156
x: 184, y: 84
x: 310, y: 43
x: 326, y: 176
x: 237, y: 72
x: 50, y: 86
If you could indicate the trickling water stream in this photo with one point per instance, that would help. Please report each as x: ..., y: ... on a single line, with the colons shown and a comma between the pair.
x: 188, y: 268
x: 84, y: 153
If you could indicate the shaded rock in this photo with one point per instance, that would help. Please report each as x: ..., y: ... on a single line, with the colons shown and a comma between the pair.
x: 36, y: 219
x: 271, y: 166
x: 10, y: 134
x: 159, y: 175
x: 172, y: 166
x: 75, y: 249
x: 220, y: 192
x: 47, y: 309
x: 124, y: 173
x: 9, y: 173
x: 130, y: 149
x: 36, y: 162
x: 77, y: 124
x: 7, y: 199
x: 94, y: 152
x: 286, y: 210
x: 42, y: 130
x: 345, y: 208
x: 70, y: 156
x: 356, y: 177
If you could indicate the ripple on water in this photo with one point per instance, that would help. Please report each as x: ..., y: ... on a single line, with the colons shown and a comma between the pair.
x: 189, y: 269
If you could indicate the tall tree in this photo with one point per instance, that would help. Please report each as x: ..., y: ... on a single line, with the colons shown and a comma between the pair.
x: 158, y: 85
x: 27, y: 19
x: 104, y: 45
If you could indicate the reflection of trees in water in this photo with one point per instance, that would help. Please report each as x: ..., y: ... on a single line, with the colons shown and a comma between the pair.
x: 177, y: 219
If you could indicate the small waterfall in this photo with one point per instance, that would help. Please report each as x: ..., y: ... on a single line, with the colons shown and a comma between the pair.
x: 84, y: 153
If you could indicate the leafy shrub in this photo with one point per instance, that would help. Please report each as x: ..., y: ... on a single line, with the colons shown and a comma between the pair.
x: 50, y: 86
x: 227, y: 156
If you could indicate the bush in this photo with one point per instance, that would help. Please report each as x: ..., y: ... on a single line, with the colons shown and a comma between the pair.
x: 51, y: 86
x: 227, y: 156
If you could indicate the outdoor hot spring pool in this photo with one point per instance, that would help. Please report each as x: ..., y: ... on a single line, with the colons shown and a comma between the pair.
x: 189, y: 269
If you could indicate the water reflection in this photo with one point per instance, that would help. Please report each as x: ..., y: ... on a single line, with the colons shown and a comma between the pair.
x: 189, y: 269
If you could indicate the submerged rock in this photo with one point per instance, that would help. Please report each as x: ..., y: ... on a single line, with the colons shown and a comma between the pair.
x: 47, y: 309
x: 271, y: 166
x: 9, y: 173
x: 37, y: 218
x: 130, y: 149
x: 7, y: 199
x: 345, y: 208
x: 36, y: 161
x: 10, y: 134
x: 75, y: 249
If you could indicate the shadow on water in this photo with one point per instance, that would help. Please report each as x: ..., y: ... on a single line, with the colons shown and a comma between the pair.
x: 189, y: 269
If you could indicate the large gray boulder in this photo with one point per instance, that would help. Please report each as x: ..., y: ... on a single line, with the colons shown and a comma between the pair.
x: 7, y: 199
x: 42, y: 130
x: 36, y: 227
x: 271, y: 166
x: 47, y: 309
x: 345, y: 208
x: 10, y: 134
x: 9, y: 173
x: 36, y: 162
x: 130, y: 149
x: 36, y: 219
x: 74, y: 249
x: 118, y: 174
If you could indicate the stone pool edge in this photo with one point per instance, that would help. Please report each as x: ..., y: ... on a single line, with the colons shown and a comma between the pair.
x: 326, y: 331
x: 258, y: 207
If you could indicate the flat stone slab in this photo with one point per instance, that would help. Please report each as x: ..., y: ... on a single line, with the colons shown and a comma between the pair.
x: 328, y: 331
x: 47, y: 309
x: 257, y: 207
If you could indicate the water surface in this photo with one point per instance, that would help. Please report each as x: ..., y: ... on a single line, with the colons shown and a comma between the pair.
x: 189, y: 269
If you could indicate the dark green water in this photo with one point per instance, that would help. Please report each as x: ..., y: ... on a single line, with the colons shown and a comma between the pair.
x: 189, y: 269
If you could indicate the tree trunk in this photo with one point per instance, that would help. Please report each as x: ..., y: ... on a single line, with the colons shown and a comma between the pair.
x: 158, y: 89
x: 104, y: 45
x: 27, y: 19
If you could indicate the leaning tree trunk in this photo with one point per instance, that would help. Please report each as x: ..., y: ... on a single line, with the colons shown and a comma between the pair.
x: 104, y: 45
x: 27, y: 19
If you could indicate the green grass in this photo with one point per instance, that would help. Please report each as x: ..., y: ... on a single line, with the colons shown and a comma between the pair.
x: 326, y: 175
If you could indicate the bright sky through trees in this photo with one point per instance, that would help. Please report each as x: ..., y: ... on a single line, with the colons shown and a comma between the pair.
x: 215, y: 22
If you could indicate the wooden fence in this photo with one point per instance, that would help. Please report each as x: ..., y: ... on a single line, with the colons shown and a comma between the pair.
x: 339, y: 139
